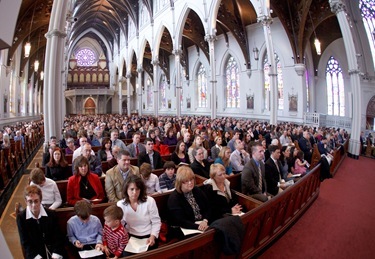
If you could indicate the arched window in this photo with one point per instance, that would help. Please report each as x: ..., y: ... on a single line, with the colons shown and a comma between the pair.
x: 233, y: 84
x: 367, y: 8
x: 202, y: 87
x: 335, y: 88
x: 307, y: 91
x: 267, y: 83
x: 162, y: 92
x: 150, y: 94
x: 85, y: 57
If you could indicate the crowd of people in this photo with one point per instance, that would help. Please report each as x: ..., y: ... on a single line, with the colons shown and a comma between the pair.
x: 266, y: 156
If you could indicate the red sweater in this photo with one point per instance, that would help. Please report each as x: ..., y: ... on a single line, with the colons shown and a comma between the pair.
x: 74, y: 188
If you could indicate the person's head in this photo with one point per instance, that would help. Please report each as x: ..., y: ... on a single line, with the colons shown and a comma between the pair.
x: 149, y: 144
x: 70, y: 143
x: 217, y: 173
x: 300, y: 155
x: 86, y: 150
x: 53, y: 141
x: 83, y: 210
x: 224, y: 153
x: 236, y: 134
x: 37, y: 176
x: 238, y: 145
x: 275, y: 142
x: 306, y: 134
x: 198, y: 154
x: 274, y: 151
x: 257, y: 151
x: 170, y: 133
x: 114, y: 134
x: 180, y: 147
x: 151, y: 133
x: 136, y: 137
x: 285, y: 151
x: 33, y: 198
x: 169, y: 168
x: 57, y: 154
x: 81, y: 166
x: 187, y: 136
x: 82, y: 141
x: 198, y: 141
x: 106, y: 144
x: 145, y: 170
x: 112, y: 216
x: 123, y: 160
x: 295, y: 152
x: 115, y: 151
x: 185, y: 179
x: 218, y: 140
x: 134, y: 189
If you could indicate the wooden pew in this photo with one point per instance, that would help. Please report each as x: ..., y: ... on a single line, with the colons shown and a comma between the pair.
x: 69, y: 159
x: 235, y: 181
x: 315, y: 158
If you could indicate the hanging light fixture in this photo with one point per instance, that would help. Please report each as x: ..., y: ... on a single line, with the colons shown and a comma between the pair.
x: 316, y: 41
x: 28, y: 44
x: 41, y: 75
x: 36, y: 62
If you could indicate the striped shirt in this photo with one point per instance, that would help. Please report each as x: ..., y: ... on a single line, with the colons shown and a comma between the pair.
x: 115, y: 240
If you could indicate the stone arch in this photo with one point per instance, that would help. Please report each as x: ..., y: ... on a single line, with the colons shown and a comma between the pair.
x: 370, y: 113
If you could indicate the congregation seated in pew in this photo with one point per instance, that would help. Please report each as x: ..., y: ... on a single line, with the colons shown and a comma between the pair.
x: 57, y: 168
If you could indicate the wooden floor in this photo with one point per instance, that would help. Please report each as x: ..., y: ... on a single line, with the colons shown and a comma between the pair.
x: 8, y: 223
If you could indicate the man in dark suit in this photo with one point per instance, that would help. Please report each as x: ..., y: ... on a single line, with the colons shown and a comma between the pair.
x: 253, y: 181
x: 125, y: 134
x: 273, y: 174
x: 305, y: 146
x: 135, y: 148
x: 38, y: 229
x: 150, y: 156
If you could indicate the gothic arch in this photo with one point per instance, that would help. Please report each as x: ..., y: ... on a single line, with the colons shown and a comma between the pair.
x: 89, y: 106
x: 370, y: 113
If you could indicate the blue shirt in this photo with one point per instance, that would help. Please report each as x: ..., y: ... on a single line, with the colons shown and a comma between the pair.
x: 165, y: 182
x: 89, y: 232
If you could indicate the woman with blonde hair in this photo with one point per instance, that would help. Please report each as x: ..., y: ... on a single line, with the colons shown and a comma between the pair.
x: 198, y: 142
x: 223, y: 158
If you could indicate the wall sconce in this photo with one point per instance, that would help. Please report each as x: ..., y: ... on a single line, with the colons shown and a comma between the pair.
x: 316, y: 41
x: 256, y: 53
x: 41, y: 75
x: 36, y: 65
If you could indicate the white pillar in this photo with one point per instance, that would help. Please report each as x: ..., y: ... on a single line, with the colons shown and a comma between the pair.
x: 121, y: 79
x: 54, y: 66
x: 155, y: 63
x: 128, y: 76
x: 177, y: 55
x: 211, y: 45
x: 139, y: 89
x: 338, y: 7
x: 266, y: 21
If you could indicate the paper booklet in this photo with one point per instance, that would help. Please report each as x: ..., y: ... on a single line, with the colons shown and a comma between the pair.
x: 89, y: 253
x: 187, y: 231
x: 136, y: 245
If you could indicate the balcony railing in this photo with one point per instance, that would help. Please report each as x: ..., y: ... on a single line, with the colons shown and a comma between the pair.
x: 324, y: 120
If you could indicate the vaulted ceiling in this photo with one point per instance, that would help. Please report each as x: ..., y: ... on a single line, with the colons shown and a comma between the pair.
x: 300, y: 19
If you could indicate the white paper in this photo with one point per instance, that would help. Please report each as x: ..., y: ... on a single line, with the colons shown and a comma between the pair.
x: 89, y: 253
x: 136, y: 245
x: 187, y: 231
x: 238, y: 214
x: 295, y: 175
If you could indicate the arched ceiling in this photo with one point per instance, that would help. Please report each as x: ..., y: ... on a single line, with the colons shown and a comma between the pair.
x: 111, y: 17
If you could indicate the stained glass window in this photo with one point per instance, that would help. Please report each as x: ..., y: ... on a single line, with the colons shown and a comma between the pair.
x: 85, y: 57
x: 162, y: 92
x: 267, y: 83
x: 150, y: 94
x: 367, y: 8
x: 335, y: 88
x: 233, y: 84
x: 307, y: 92
x: 202, y: 87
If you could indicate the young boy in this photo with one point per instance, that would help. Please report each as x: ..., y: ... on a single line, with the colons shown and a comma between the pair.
x: 85, y: 230
x: 168, y: 178
x: 151, y: 180
x: 51, y: 194
x: 115, y: 237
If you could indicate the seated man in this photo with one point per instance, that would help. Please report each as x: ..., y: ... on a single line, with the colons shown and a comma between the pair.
x: 253, y: 179
x: 239, y: 156
x: 94, y: 162
x: 38, y: 229
x: 79, y: 151
x: 272, y: 171
x: 136, y: 147
x: 150, y: 156
x: 51, y: 194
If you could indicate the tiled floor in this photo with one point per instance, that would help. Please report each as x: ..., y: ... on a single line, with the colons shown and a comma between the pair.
x: 8, y: 222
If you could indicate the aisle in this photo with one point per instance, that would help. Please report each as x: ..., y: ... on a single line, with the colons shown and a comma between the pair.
x: 8, y: 223
x: 340, y: 223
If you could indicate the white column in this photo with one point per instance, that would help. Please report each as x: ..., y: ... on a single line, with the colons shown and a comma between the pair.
x: 211, y: 44
x: 338, y: 7
x: 266, y: 21
x: 54, y: 65
x: 128, y: 76
x: 139, y: 89
x: 177, y: 55
x: 121, y: 79
x: 155, y: 63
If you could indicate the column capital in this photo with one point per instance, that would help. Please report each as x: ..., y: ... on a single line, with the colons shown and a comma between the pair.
x: 337, y: 6
x: 155, y: 61
x: 265, y: 20
x: 139, y: 69
x: 128, y: 75
x: 177, y: 52
x: 60, y: 34
x: 353, y: 71
x: 210, y: 38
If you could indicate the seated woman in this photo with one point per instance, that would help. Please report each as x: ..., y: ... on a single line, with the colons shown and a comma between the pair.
x: 223, y: 158
x: 170, y: 138
x: 215, y: 150
x: 84, y: 184
x: 197, y: 142
x: 188, y: 205
x: 6, y: 141
x: 105, y: 153
x: 180, y: 154
x: 285, y: 154
x: 218, y: 192
x: 57, y: 168
x: 71, y: 147
x: 200, y: 166
x: 140, y: 211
